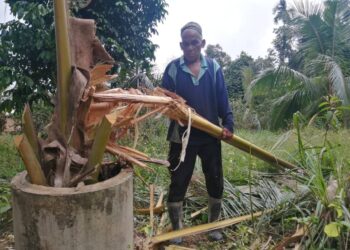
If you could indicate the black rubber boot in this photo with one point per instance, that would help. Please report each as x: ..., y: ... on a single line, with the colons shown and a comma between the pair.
x: 175, y: 215
x: 214, y: 209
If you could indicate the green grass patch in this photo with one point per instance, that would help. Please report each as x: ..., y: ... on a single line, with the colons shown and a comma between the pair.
x: 10, y: 162
x: 284, y: 145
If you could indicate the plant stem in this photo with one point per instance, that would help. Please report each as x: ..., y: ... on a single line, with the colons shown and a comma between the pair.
x: 99, y: 145
x: 29, y: 130
x: 64, y: 67
x: 31, y: 163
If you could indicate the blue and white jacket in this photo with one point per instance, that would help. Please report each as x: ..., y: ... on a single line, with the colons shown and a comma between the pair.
x: 207, y: 95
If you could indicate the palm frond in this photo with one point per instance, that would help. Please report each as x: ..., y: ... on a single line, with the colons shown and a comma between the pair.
x: 295, y: 90
x: 264, y: 81
x: 283, y: 76
x: 299, y: 99
x: 307, y: 22
x: 337, y: 18
x: 338, y: 83
x: 283, y: 109
x: 306, y: 8
x: 239, y: 200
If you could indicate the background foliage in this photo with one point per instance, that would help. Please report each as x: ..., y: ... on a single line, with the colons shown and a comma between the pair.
x: 27, y: 44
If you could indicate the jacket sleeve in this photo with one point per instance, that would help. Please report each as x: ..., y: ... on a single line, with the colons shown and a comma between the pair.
x: 168, y: 82
x: 168, y: 78
x: 224, y: 108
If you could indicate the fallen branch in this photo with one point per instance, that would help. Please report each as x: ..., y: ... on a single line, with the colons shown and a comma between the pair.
x: 202, y: 228
x: 151, y: 205
x: 146, y: 211
x: 195, y: 214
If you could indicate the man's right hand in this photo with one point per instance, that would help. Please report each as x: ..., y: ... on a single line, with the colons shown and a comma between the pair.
x: 226, y: 134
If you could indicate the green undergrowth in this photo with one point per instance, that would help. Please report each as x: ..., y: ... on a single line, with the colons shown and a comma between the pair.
x: 10, y: 163
x: 250, y: 183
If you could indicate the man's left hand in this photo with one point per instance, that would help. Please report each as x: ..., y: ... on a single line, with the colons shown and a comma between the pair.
x: 226, y: 134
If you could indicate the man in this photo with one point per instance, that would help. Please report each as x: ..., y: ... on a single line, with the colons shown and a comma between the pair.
x: 199, y: 80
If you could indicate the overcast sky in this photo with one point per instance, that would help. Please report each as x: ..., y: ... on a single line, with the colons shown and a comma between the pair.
x: 4, y: 12
x: 237, y: 25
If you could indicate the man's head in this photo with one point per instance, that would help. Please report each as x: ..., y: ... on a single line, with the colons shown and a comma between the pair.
x: 192, y: 41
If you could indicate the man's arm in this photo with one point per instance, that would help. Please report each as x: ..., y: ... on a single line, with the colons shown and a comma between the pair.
x: 224, y: 108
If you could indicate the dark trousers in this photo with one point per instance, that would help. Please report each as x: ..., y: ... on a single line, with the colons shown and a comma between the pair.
x: 210, y: 155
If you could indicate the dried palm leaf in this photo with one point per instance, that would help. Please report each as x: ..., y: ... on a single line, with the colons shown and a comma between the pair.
x: 116, y: 151
x: 99, y: 74
x: 179, y: 111
x: 297, y: 236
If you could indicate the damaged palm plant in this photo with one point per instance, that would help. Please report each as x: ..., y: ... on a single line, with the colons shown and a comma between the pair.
x: 89, y: 119
x: 173, y: 106
x: 81, y: 129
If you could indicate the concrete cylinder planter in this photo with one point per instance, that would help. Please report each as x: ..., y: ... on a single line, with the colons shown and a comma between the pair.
x: 91, y: 217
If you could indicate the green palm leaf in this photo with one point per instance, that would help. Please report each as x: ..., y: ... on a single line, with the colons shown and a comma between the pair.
x: 337, y: 82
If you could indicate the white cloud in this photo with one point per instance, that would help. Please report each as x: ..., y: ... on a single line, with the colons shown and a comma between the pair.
x: 237, y: 25
x: 4, y: 12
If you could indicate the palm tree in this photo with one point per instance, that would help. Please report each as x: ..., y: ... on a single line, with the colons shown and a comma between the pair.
x: 323, y: 45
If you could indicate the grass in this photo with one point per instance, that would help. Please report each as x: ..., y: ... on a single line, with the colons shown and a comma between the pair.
x: 239, y: 168
x: 10, y: 163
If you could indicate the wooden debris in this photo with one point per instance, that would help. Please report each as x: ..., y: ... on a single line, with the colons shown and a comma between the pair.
x: 151, y: 205
x: 175, y: 247
x: 99, y: 74
x: 157, y: 209
x: 176, y: 109
x: 114, y: 150
x: 162, y: 224
x: 201, y: 228
x: 195, y: 214
x: 297, y: 236
x: 146, y: 211
x: 160, y: 200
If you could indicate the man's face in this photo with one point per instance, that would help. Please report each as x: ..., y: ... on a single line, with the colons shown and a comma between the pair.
x: 191, y: 45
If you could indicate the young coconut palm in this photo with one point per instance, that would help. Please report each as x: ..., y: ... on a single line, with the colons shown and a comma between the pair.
x: 323, y: 35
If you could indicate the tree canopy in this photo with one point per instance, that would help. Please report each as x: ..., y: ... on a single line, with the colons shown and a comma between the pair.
x: 216, y: 52
x: 322, y: 35
x: 27, y: 43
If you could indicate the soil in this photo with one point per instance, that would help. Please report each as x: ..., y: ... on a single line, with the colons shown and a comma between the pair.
x: 7, y: 241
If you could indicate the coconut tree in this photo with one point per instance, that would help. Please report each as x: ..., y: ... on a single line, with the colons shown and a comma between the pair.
x: 323, y: 35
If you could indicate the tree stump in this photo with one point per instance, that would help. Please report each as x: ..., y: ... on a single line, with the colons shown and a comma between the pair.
x: 91, y: 217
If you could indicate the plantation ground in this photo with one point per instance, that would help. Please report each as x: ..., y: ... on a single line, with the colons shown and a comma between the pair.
x: 242, y: 171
